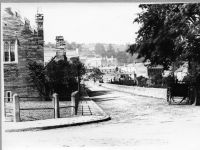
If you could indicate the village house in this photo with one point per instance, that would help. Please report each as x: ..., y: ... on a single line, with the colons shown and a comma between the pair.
x: 21, y: 44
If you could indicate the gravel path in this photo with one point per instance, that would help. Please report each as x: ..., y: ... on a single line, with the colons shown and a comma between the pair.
x: 139, y: 122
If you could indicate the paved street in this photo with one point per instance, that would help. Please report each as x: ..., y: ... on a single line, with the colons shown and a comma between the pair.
x: 140, y: 122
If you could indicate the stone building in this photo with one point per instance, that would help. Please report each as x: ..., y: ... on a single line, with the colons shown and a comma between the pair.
x: 21, y: 44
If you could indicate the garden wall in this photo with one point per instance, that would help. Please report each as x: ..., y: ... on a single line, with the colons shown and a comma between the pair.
x: 143, y: 91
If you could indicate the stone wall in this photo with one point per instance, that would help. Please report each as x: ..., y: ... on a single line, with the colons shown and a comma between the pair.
x: 30, y: 47
x: 143, y: 91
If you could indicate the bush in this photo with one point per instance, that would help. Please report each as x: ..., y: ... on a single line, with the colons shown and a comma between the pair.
x: 39, y: 79
x: 96, y: 74
x: 157, y: 80
x: 59, y: 77
x: 141, y: 81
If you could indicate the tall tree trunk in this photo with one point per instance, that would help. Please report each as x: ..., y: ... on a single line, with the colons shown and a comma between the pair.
x: 192, y: 69
x: 197, y: 96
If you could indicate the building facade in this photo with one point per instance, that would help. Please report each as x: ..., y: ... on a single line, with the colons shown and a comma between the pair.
x: 21, y: 44
x: 106, y: 62
x: 155, y: 70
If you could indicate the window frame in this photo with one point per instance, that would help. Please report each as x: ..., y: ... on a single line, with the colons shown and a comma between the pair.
x: 10, y: 51
x: 8, y: 99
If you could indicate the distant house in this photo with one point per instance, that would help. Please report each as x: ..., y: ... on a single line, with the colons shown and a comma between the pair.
x: 108, y: 70
x: 105, y: 61
x: 91, y: 62
x: 141, y: 70
x: 155, y: 70
x: 21, y: 44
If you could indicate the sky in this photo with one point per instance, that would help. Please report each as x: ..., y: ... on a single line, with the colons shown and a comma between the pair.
x: 84, y: 22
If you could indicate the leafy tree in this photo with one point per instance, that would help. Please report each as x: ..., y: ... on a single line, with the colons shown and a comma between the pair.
x: 100, y: 49
x: 121, y: 57
x: 39, y: 79
x: 77, y: 67
x: 130, y: 59
x: 72, y: 45
x: 68, y: 45
x: 57, y: 77
x: 110, y: 51
x: 96, y: 74
x: 168, y: 33
x: 51, y: 45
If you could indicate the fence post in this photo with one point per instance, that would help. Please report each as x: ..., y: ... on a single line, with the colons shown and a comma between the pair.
x: 74, y: 103
x: 56, y: 106
x: 16, y: 109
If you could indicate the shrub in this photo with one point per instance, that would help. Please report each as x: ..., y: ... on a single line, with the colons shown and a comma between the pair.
x: 157, y: 80
x: 96, y: 74
x: 59, y: 77
x: 141, y: 81
x: 168, y: 80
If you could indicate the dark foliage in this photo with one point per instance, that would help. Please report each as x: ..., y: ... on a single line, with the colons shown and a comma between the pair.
x: 141, y: 81
x: 168, y: 33
x: 95, y: 74
x: 59, y: 77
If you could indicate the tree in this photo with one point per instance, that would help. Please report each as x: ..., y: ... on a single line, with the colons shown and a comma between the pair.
x: 121, y: 57
x: 169, y: 33
x: 51, y: 45
x: 96, y: 74
x: 100, y: 49
x: 110, y: 51
x: 39, y: 79
x: 73, y: 46
x: 68, y: 45
x: 59, y: 77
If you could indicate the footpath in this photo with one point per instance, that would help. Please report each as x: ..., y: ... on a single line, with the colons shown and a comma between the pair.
x: 88, y: 112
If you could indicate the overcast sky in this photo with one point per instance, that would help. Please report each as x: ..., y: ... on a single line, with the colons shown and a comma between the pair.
x: 84, y: 22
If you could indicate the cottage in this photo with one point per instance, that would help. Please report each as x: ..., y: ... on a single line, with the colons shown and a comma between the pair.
x: 21, y: 44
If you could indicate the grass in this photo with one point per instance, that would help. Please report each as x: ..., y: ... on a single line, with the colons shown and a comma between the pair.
x: 36, y: 110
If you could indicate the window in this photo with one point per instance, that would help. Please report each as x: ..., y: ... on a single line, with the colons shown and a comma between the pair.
x: 6, y: 51
x: 8, y: 96
x: 10, y: 51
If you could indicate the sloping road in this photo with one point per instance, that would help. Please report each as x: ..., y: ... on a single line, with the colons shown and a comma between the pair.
x: 139, y: 122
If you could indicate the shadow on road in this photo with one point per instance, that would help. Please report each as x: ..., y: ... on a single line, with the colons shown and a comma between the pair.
x: 93, y: 95
x: 103, y: 99
x: 96, y: 93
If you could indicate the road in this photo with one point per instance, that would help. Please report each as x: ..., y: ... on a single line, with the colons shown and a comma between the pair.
x: 139, y: 122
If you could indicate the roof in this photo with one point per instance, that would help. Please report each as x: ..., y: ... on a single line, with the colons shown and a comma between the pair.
x: 59, y: 38
x: 111, y: 67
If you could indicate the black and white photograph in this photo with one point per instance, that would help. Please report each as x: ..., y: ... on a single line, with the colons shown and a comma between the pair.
x: 100, y: 75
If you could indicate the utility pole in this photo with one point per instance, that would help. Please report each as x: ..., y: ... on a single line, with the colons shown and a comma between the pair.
x: 78, y: 79
x: 78, y: 74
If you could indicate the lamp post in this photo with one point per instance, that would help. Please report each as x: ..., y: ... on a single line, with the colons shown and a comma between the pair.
x: 78, y: 78
x: 78, y: 74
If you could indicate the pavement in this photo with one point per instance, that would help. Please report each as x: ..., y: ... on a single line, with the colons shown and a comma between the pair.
x: 88, y: 112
